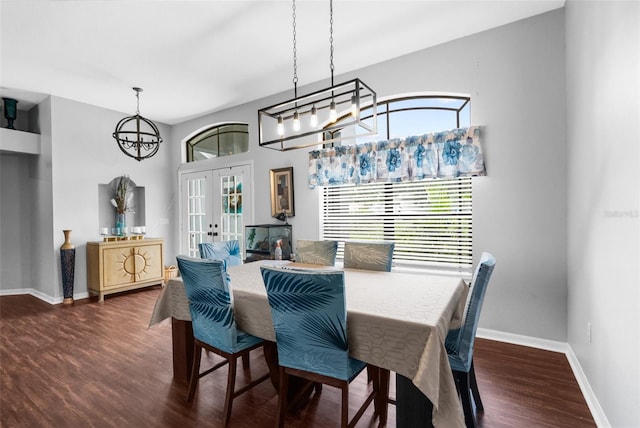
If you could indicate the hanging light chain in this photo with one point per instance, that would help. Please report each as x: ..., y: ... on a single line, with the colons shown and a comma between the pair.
x: 331, y: 67
x: 138, y: 90
x: 295, y: 51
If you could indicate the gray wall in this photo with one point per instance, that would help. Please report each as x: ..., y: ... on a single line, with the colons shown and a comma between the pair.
x: 515, y: 76
x: 17, y: 196
x: 603, y: 113
x: 26, y: 259
x: 59, y: 190
x: 85, y: 156
x: 44, y: 275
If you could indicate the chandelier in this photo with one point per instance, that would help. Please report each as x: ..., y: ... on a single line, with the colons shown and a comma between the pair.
x: 137, y: 137
x: 312, y: 119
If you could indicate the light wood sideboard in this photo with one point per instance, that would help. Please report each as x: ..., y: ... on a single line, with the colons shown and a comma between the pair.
x: 118, y: 266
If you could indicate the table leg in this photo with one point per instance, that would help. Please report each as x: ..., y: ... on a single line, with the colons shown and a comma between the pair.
x: 383, y: 395
x: 413, y: 408
x: 182, y: 338
x: 271, y: 356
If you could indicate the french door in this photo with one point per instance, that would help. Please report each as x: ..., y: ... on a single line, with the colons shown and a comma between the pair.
x: 215, y: 204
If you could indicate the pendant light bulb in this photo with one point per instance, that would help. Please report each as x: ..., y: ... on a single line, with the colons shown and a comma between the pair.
x: 354, y: 106
x: 314, y: 116
x: 333, y: 114
x: 280, y: 126
x: 296, y: 121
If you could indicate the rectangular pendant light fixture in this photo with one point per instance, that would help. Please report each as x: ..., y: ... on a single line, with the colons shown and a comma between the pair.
x: 335, y: 112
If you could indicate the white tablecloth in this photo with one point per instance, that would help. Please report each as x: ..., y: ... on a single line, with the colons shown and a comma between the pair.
x: 397, y: 321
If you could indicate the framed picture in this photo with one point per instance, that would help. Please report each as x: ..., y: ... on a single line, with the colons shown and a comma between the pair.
x: 282, y: 192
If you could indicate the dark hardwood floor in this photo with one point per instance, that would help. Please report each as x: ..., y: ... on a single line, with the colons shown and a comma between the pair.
x: 96, y: 364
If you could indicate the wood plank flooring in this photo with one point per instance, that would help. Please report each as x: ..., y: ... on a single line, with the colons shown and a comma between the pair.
x: 96, y: 364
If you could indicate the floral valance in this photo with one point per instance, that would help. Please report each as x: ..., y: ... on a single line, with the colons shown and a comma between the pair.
x: 446, y: 154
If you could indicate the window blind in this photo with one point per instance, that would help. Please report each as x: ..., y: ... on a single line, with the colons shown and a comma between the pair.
x: 430, y: 221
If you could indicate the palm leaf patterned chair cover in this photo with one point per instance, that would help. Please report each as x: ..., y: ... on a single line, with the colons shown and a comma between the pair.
x: 369, y: 255
x: 214, y: 325
x: 309, y: 315
x: 316, y: 252
x: 229, y: 251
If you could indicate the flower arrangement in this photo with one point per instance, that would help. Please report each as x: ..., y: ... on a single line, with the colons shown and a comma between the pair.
x: 122, y: 195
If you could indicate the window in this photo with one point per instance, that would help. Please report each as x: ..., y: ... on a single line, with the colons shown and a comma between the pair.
x: 218, y: 140
x: 430, y: 221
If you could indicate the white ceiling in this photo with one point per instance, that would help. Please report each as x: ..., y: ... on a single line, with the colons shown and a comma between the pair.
x: 197, y: 57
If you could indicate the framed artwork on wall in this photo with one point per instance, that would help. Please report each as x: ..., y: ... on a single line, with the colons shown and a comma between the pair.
x: 282, y: 192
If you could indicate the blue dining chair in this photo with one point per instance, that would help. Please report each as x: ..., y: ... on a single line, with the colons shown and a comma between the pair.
x: 316, y: 252
x: 309, y: 315
x: 214, y: 325
x: 229, y: 251
x: 459, y: 342
x: 369, y: 255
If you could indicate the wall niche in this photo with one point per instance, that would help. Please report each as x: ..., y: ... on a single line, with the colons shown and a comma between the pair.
x: 135, y: 215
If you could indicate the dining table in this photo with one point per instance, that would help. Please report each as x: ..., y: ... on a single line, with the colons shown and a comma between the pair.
x: 395, y: 320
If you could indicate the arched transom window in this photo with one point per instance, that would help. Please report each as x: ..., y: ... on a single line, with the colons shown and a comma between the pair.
x: 218, y: 140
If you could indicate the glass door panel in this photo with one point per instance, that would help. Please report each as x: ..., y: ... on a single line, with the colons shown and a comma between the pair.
x: 198, y: 213
x: 233, y: 202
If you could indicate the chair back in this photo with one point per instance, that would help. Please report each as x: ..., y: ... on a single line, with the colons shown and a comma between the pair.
x: 310, y: 320
x: 229, y: 251
x: 460, y: 341
x: 205, y: 284
x: 369, y: 255
x: 316, y: 252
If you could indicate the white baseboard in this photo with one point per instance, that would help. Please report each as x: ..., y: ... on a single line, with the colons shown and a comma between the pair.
x: 518, y: 339
x: 551, y: 345
x: 594, y: 405
x: 40, y: 295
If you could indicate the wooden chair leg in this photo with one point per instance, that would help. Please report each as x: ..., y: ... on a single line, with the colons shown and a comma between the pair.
x: 282, y: 398
x: 373, y: 375
x: 474, y: 389
x: 465, y: 397
x: 231, y: 383
x: 344, y: 418
x: 195, y: 371
x: 245, y: 361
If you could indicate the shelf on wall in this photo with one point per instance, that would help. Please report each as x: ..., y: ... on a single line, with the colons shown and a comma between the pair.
x: 14, y: 141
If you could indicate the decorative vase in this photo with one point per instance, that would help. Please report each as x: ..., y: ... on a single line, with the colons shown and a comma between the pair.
x: 121, y: 224
x: 10, y: 111
x: 67, y: 263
